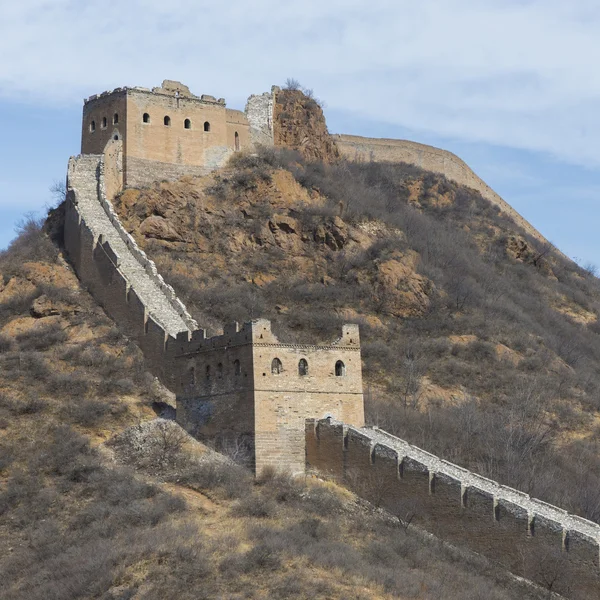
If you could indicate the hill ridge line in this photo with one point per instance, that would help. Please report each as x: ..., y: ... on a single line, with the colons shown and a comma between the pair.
x: 429, y: 158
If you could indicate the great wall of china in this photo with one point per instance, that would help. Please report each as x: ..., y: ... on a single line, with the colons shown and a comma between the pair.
x: 530, y: 538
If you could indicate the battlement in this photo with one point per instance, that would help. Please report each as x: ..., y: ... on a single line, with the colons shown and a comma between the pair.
x: 527, y: 536
x: 169, y: 87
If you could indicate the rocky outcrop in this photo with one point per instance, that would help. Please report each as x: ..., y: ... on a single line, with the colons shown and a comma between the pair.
x: 299, y: 124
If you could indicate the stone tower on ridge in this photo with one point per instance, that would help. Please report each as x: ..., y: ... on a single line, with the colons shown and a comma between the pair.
x: 167, y: 132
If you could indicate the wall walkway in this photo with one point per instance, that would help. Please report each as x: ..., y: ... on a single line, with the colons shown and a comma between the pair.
x: 85, y: 182
x: 532, y: 539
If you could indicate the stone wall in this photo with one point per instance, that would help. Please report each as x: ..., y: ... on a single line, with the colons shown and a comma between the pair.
x: 143, y: 173
x: 118, y: 274
x: 112, y: 172
x: 225, y: 385
x: 431, y: 159
x: 110, y: 106
x: 527, y: 536
x: 259, y: 111
x: 285, y: 399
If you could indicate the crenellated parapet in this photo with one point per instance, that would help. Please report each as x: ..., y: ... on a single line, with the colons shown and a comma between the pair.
x: 526, y: 535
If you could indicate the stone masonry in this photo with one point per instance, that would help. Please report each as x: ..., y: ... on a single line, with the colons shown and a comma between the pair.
x: 167, y: 132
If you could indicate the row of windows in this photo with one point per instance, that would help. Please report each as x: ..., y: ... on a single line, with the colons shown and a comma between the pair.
x: 237, y: 370
x: 104, y: 123
x: 187, y: 124
x: 277, y: 367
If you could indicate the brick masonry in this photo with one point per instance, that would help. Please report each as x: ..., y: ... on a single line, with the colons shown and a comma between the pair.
x: 166, y: 131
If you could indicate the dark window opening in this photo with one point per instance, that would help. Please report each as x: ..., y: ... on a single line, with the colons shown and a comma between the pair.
x: 146, y: 118
x: 92, y: 126
x: 103, y: 122
x: 167, y: 120
x: 220, y: 370
x: 276, y: 367
x: 116, y: 137
x: 237, y: 369
x: 192, y: 376
x: 302, y: 367
x: 115, y: 118
x: 206, y: 126
x: 207, y: 371
x: 340, y: 369
x: 187, y: 124
x: 237, y: 142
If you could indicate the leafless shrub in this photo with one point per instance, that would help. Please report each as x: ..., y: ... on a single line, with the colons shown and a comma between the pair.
x: 292, y: 84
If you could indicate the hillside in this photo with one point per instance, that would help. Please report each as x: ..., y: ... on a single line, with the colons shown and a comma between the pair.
x: 480, y: 343
x: 99, y: 499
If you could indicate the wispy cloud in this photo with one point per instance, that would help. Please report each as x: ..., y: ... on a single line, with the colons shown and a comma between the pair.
x: 517, y: 73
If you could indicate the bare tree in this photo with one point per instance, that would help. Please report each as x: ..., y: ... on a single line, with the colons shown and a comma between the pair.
x: 58, y: 191
x: 292, y: 84
x: 167, y: 441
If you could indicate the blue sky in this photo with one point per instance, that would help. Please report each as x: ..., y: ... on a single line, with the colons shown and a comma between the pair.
x: 510, y: 86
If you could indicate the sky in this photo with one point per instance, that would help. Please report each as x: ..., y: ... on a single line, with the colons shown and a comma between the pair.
x: 511, y: 86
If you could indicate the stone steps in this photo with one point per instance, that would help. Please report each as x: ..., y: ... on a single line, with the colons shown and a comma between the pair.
x: 84, y: 179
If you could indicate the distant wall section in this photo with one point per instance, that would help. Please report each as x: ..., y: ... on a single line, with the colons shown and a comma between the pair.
x: 431, y: 159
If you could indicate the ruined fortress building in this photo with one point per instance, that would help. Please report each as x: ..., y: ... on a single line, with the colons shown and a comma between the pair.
x: 167, y: 131
x: 293, y: 405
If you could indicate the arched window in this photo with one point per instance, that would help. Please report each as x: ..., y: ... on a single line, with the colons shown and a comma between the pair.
x: 207, y: 371
x: 276, y: 367
x: 92, y: 126
x: 116, y: 137
x: 187, y: 124
x: 146, y: 118
x: 340, y: 369
x: 302, y: 367
x: 206, y: 126
x: 220, y: 370
x: 103, y: 122
x: 237, y: 369
x: 237, y: 142
x: 115, y: 118
x: 167, y: 120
